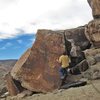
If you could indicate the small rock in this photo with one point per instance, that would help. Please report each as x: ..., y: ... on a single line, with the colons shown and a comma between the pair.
x: 97, y: 58
x: 91, y: 61
x: 5, y: 95
x: 24, y: 93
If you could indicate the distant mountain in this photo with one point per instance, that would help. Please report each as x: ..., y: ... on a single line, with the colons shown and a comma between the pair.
x: 10, y: 62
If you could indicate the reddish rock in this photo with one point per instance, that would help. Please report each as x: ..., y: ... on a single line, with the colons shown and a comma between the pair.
x: 11, y: 86
x: 37, y: 69
x: 92, y: 32
x: 95, y: 5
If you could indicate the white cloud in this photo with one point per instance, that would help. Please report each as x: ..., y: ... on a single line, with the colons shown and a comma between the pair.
x: 6, y: 46
x: 26, y: 16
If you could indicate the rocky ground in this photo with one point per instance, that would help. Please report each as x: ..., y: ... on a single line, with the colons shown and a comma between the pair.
x: 88, y: 92
x: 91, y: 91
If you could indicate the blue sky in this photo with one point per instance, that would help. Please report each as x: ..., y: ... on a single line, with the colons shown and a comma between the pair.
x: 20, y: 20
x: 14, y: 48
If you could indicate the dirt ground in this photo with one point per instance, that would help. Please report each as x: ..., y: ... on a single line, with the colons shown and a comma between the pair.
x: 89, y: 92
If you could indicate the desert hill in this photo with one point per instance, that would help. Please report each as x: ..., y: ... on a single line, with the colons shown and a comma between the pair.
x: 10, y: 62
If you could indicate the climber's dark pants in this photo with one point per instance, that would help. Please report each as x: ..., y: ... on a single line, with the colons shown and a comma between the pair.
x: 63, y: 71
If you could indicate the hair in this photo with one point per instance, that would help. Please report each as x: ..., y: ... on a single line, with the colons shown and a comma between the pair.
x: 65, y: 53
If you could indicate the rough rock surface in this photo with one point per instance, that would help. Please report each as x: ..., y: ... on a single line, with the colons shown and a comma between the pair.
x: 77, y: 35
x: 92, y: 32
x: 80, y: 67
x: 37, y: 69
x: 79, y: 42
x: 12, y: 88
x: 95, y: 5
x: 93, y: 72
x: 93, y: 58
x: 92, y: 55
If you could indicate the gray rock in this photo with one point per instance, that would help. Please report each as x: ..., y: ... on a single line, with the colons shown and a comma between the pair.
x: 81, y: 67
x: 91, y: 61
x: 97, y: 58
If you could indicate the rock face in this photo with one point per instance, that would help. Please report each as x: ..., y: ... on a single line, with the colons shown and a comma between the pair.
x: 92, y: 32
x: 79, y: 42
x: 78, y: 37
x: 12, y: 88
x: 37, y: 69
x: 95, y: 5
x: 81, y: 67
x: 92, y: 56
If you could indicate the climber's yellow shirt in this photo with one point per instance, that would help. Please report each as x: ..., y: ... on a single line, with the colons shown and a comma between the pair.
x: 64, y: 60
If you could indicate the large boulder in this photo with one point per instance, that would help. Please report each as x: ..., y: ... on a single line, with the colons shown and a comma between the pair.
x: 92, y: 32
x: 95, y: 5
x: 37, y: 69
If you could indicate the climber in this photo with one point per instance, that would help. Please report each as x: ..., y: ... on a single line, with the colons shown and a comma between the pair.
x: 64, y: 68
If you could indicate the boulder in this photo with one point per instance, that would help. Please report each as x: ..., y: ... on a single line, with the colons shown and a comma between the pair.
x: 92, y: 55
x: 93, y: 72
x: 95, y: 5
x: 92, y: 32
x: 37, y: 69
